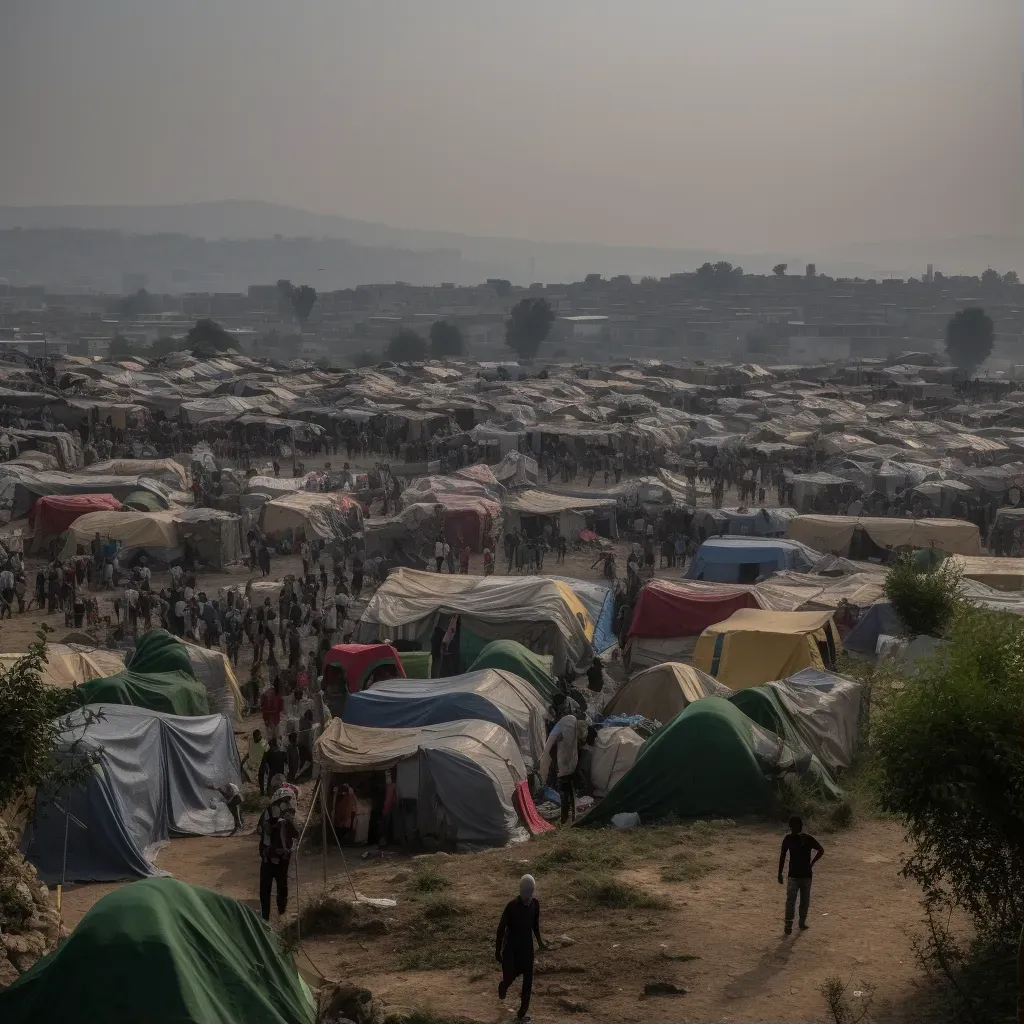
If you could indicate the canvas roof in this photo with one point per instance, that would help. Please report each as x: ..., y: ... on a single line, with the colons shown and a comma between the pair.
x: 661, y: 692
x: 834, y: 533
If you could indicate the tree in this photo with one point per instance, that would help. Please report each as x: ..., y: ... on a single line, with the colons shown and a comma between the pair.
x: 990, y: 279
x: 297, y: 301
x: 970, y: 336
x: 364, y: 358
x: 779, y: 270
x: 1010, y: 279
x: 135, y: 305
x: 406, y: 347
x: 947, y: 758
x: 165, y: 345
x: 207, y: 339
x: 924, y: 602
x: 810, y: 270
x: 528, y: 326
x: 446, y: 340
x: 120, y: 348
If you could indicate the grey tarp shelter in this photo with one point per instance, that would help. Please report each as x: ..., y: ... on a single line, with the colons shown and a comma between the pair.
x: 152, y: 780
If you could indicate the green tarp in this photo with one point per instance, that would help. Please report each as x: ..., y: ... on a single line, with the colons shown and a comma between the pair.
x: 521, y: 661
x: 160, y: 677
x: 163, y: 952
x: 709, y: 760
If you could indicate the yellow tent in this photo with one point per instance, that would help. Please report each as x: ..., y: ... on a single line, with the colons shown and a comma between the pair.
x: 68, y: 664
x: 661, y: 692
x: 753, y: 646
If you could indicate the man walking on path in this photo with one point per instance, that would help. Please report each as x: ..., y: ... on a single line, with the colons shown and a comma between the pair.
x: 799, y: 846
x: 520, y: 922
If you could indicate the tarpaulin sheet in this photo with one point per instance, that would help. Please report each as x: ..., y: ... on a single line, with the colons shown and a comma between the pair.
x: 752, y: 647
x: 612, y: 754
x: 472, y: 768
x: 392, y: 711
x: 686, y: 608
x: 834, y: 533
x: 68, y: 664
x: 661, y: 692
x: 725, y: 559
x: 153, y: 780
x: 54, y: 513
x: 359, y: 660
x: 167, y: 953
x: 149, y: 530
x: 520, y: 661
x: 514, y: 697
x: 599, y: 601
x: 528, y: 811
x: 159, y: 469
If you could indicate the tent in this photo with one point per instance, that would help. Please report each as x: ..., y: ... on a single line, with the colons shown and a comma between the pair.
x: 468, y: 519
x: 327, y: 515
x: 669, y: 616
x: 69, y: 664
x: 167, y: 953
x: 52, y: 514
x: 753, y: 646
x: 813, y: 710
x: 160, y: 678
x: 527, y: 512
x: 878, y: 620
x: 152, y: 780
x: 746, y: 559
x: 213, y: 669
x: 839, y: 534
x: 28, y: 485
x: 541, y: 613
x: 599, y: 601
x: 517, y: 470
x: 511, y: 656
x: 709, y: 760
x: 609, y: 757
x: 168, y: 471
x: 998, y: 573
x: 359, y: 662
x: 661, y: 692
x: 455, y: 782
x: 515, y: 698
x: 394, y: 711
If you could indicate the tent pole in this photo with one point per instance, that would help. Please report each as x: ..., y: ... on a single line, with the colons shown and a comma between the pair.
x: 298, y: 846
x: 323, y: 827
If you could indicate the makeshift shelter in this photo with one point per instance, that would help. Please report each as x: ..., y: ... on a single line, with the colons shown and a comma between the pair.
x: 998, y: 573
x: 26, y: 486
x: 814, y: 710
x: 877, y: 620
x: 406, y: 538
x: 455, y: 782
x: 753, y: 646
x: 167, y: 953
x: 52, y: 514
x: 154, y: 778
x: 529, y: 511
x: 599, y: 602
x: 511, y: 656
x: 410, y: 711
x: 669, y: 616
x: 216, y: 535
x: 541, y: 613
x: 744, y: 522
x: 69, y: 664
x: 517, y: 470
x: 359, y: 664
x: 328, y: 515
x: 710, y: 760
x: 468, y: 520
x: 168, y: 471
x: 746, y: 559
x: 213, y: 669
x: 159, y: 678
x: 861, y: 537
x: 515, y: 698
x: 154, y: 534
x: 613, y: 752
x: 661, y: 692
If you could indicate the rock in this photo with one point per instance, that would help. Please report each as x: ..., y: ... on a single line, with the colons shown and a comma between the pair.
x: 353, y: 1003
x: 24, y: 943
x: 8, y: 972
x: 561, y: 941
x: 663, y: 988
x: 399, y: 877
x: 398, y: 1014
x: 572, y: 1005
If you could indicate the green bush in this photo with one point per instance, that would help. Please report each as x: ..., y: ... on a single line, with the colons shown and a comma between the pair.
x: 948, y: 758
x: 925, y: 602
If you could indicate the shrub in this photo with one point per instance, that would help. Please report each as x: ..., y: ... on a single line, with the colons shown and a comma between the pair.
x: 428, y: 879
x: 605, y: 891
x: 925, y: 602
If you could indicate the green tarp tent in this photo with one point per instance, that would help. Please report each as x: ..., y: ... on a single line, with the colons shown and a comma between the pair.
x: 159, y: 677
x: 513, y: 657
x: 709, y: 760
x: 163, y: 952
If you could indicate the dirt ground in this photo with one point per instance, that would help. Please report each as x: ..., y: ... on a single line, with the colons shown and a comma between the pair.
x: 717, y: 932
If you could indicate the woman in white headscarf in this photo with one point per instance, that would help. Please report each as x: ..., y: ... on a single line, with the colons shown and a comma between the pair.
x: 519, y: 923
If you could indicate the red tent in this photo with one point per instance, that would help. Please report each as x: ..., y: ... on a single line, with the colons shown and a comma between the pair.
x: 686, y: 608
x: 468, y: 520
x: 52, y: 514
x: 359, y: 662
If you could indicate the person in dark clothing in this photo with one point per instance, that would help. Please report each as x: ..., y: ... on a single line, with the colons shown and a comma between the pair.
x: 799, y: 846
x: 595, y: 676
x: 276, y: 831
x: 520, y: 922
x: 275, y: 761
x: 293, y: 756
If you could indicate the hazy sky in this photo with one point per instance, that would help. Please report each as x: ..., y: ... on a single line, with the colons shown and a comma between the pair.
x: 736, y: 124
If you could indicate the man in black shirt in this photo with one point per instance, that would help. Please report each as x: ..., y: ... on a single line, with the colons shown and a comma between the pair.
x: 520, y: 922
x: 799, y: 846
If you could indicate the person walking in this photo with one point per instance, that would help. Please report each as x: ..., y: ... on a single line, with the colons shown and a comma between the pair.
x: 564, y: 741
x: 799, y: 846
x: 276, y: 830
x: 519, y: 924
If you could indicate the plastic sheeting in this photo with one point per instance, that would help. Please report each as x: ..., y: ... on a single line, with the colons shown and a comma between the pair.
x: 517, y: 700
x: 392, y: 711
x: 324, y: 514
x: 599, y: 601
x: 613, y: 753
x: 149, y: 531
x: 68, y: 664
x: 686, y: 607
x: 835, y: 533
x: 152, y: 781
x: 54, y: 513
x: 468, y: 772
x: 744, y: 559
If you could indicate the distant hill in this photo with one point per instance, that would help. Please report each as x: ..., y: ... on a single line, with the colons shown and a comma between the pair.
x: 517, y: 259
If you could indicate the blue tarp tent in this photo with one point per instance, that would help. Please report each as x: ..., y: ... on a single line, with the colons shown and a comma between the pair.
x: 876, y: 620
x: 600, y: 604
x: 153, y: 778
x: 745, y: 559
x: 392, y: 711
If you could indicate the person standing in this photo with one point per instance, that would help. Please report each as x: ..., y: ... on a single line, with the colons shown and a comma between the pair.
x: 439, y: 553
x: 564, y: 740
x: 276, y: 829
x: 800, y: 847
x: 519, y: 924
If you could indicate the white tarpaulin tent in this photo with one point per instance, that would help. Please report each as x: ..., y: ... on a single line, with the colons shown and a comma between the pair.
x: 461, y: 776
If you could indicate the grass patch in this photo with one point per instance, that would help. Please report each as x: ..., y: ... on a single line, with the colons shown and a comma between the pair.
x: 253, y: 802
x: 570, y: 850
x: 428, y: 879
x: 685, y: 867
x: 599, y: 890
x: 707, y: 831
x: 329, y: 915
x: 443, y: 908
x: 838, y: 817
